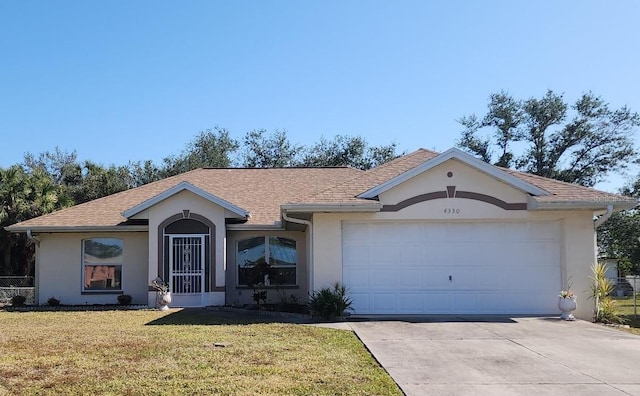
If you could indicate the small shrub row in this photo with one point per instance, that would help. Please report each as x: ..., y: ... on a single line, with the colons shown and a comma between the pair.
x: 19, y: 301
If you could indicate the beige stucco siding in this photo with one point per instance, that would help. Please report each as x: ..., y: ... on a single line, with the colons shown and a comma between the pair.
x: 579, y: 248
x: 186, y: 200
x: 462, y: 176
x: 464, y: 179
x: 59, y: 268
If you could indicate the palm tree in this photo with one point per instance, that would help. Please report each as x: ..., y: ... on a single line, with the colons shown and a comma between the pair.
x: 24, y: 196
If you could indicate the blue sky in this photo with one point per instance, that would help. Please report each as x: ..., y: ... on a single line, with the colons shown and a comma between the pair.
x: 134, y: 80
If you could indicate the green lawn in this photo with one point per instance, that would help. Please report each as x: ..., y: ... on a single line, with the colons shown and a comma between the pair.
x: 153, y: 352
x: 625, y: 304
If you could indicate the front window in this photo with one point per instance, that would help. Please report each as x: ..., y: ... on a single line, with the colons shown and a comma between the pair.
x: 267, y: 261
x: 102, y: 264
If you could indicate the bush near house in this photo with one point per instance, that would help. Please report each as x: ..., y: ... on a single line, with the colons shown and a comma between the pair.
x: 53, y: 302
x: 330, y: 302
x: 124, y: 299
x: 18, y: 300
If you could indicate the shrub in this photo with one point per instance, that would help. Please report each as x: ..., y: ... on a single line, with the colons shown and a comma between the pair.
x: 53, y: 302
x: 18, y: 300
x: 330, y: 302
x: 124, y: 299
x: 605, y: 310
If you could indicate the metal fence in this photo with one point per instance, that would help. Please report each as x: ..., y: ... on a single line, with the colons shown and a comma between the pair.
x: 11, y: 286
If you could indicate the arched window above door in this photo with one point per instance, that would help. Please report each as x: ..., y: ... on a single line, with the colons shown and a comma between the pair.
x: 186, y: 226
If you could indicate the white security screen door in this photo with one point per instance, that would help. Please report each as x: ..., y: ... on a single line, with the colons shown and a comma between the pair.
x: 187, y: 267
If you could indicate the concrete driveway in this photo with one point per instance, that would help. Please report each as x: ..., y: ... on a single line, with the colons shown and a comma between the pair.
x: 504, y: 356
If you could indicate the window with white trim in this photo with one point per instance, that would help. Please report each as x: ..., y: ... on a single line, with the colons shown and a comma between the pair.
x: 102, y: 264
x: 267, y: 261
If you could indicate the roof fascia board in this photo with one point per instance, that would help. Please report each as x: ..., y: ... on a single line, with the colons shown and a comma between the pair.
x: 182, y: 186
x: 532, y: 204
x: 255, y: 227
x: 454, y: 153
x: 125, y: 228
x: 373, y: 206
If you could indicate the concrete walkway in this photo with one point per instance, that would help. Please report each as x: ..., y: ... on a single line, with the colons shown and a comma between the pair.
x: 503, y: 356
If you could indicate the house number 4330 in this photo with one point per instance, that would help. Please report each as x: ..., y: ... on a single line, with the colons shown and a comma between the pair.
x: 451, y: 211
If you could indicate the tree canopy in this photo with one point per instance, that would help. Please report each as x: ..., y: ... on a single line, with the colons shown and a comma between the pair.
x: 618, y: 237
x: 580, y: 143
x: 262, y: 150
x: 211, y: 148
x: 345, y: 150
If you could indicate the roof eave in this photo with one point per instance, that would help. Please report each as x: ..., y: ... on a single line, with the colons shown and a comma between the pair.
x: 580, y: 205
x: 56, y: 229
x: 373, y: 206
x: 255, y: 227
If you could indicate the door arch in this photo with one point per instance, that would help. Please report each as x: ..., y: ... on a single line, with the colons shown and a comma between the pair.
x: 186, y: 257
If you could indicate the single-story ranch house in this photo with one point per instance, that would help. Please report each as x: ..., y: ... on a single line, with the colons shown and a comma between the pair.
x: 427, y: 233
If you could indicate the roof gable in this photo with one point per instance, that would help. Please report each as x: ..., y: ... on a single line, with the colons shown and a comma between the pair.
x: 463, y: 157
x: 185, y: 186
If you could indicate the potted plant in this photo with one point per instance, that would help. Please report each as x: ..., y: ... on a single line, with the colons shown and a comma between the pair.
x: 163, y: 297
x: 567, y: 304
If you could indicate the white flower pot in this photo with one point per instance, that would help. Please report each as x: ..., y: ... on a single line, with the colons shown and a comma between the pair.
x: 567, y: 306
x: 164, y: 299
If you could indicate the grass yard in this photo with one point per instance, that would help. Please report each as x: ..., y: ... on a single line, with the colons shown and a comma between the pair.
x: 625, y: 304
x: 153, y: 352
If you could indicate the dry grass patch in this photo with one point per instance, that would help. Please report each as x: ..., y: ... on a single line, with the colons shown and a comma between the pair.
x: 152, y: 352
x: 625, y: 305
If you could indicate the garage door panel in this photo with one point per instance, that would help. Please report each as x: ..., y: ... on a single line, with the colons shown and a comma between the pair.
x: 465, y: 302
x: 411, y: 233
x: 411, y: 254
x: 409, y: 278
x: 410, y: 302
x: 404, y: 267
x: 356, y: 253
x: 439, y: 303
x: 385, y: 232
x: 356, y: 278
x: 434, y: 234
x: 492, y: 303
x: 435, y: 278
x: 384, y: 302
x: 384, y: 252
x: 360, y: 302
x: 383, y: 279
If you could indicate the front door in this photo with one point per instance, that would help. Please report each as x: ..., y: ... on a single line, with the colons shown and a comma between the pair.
x: 187, y: 270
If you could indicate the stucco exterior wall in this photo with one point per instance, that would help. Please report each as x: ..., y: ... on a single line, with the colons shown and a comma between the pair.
x: 186, y: 200
x: 577, y: 244
x: 580, y: 255
x: 577, y: 249
x: 464, y: 179
x: 59, y: 268
x: 240, y: 295
x: 462, y: 176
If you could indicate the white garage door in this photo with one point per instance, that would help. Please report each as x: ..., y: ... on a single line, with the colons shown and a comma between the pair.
x: 447, y: 268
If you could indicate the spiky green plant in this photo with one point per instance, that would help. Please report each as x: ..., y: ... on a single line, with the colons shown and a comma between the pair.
x: 330, y: 302
x: 605, y: 309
